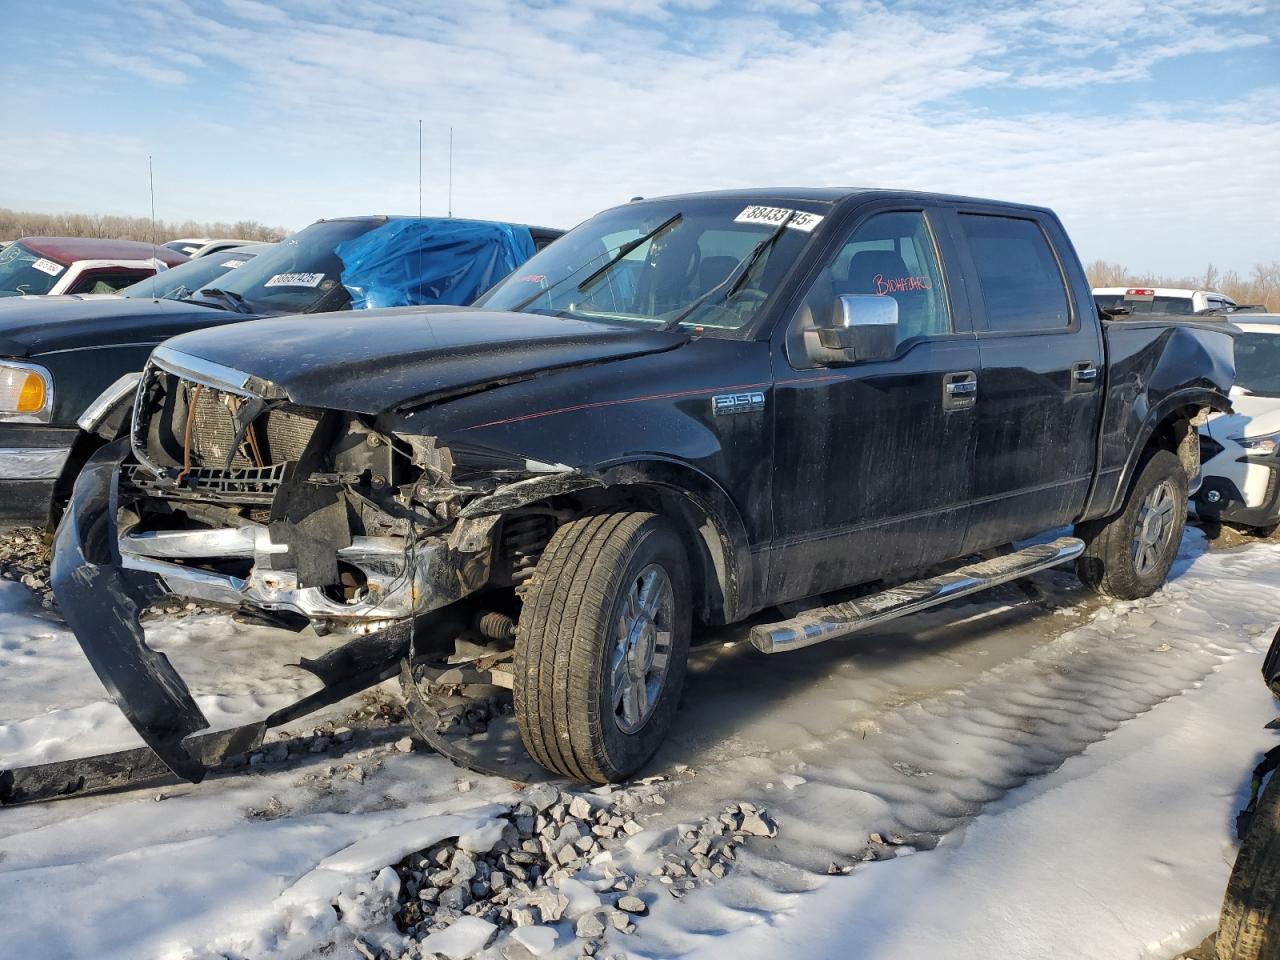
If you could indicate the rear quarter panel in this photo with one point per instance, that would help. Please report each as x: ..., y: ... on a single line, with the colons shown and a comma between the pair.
x: 1154, y: 368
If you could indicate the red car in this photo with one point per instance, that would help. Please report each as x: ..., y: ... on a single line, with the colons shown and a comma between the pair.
x: 47, y: 265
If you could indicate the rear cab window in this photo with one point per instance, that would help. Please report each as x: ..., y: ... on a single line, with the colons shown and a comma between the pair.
x: 1019, y: 279
x: 107, y: 281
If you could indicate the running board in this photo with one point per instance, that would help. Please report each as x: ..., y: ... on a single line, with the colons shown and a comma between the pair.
x: 842, y: 619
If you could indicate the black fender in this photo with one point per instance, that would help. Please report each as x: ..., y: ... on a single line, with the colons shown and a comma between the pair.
x: 1108, y: 495
x: 685, y: 495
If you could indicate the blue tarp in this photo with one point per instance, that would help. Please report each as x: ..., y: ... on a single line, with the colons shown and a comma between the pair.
x: 423, y: 261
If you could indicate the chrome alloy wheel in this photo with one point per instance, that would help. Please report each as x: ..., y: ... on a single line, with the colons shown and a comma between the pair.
x: 641, y: 647
x: 1154, y: 526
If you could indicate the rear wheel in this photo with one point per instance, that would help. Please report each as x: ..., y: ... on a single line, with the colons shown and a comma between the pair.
x: 1128, y: 555
x: 1250, y: 924
x: 601, y: 645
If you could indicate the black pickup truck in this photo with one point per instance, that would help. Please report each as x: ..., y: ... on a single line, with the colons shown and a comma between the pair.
x: 689, y: 410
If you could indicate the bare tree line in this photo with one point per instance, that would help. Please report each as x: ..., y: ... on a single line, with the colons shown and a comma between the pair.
x: 1261, y: 286
x: 16, y: 223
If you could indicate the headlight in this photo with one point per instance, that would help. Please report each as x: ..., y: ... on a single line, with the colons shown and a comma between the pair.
x: 1259, y: 446
x: 26, y: 392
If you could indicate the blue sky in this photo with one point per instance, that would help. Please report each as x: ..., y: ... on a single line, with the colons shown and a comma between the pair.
x: 1152, y: 127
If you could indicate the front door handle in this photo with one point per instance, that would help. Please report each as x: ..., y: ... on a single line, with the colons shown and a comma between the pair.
x: 959, y: 390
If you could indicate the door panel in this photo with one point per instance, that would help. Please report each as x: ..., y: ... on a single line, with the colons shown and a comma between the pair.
x: 1040, y: 386
x: 872, y: 475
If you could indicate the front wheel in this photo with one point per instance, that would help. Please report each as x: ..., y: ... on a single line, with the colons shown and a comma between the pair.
x: 1128, y: 555
x: 602, y: 644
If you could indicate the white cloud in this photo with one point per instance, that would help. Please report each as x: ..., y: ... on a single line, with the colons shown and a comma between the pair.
x: 140, y: 66
x: 562, y: 108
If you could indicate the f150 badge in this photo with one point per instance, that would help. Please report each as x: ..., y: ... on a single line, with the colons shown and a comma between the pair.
x: 724, y: 404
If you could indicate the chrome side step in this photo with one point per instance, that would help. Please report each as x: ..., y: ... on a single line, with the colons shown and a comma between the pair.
x: 842, y: 619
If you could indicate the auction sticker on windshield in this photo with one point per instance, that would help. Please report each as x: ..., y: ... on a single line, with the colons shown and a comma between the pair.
x: 775, y: 215
x: 233, y: 263
x: 47, y: 266
x: 295, y: 280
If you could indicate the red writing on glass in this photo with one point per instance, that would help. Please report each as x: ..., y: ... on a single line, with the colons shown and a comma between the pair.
x: 886, y: 285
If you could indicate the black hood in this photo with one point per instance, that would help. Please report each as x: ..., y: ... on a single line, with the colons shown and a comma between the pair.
x: 370, y: 361
x: 30, y: 326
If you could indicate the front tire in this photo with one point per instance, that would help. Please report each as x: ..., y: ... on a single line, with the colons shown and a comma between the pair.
x: 1127, y: 556
x: 602, y: 645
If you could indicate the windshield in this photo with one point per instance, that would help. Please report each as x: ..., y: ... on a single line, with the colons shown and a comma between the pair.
x: 688, y: 248
x: 1258, y: 363
x: 300, y: 275
x: 23, y: 271
x: 1176, y: 306
x: 186, y: 278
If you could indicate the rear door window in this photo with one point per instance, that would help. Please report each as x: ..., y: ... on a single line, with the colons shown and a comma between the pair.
x: 1018, y: 275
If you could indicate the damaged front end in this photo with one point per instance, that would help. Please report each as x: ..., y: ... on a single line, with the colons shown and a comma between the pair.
x: 227, y: 492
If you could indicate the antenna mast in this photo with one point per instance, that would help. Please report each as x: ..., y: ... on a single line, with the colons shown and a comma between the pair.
x: 155, y: 261
x: 419, y: 168
x: 451, y: 171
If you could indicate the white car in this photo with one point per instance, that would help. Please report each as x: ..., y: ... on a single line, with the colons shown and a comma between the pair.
x: 194, y: 247
x: 1240, y: 451
x: 1165, y: 300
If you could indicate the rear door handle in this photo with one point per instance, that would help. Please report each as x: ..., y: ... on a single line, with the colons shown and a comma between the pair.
x: 1083, y: 375
x: 959, y: 390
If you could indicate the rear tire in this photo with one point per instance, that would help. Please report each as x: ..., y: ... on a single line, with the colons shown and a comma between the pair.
x: 602, y: 644
x: 1250, y: 924
x: 1128, y: 555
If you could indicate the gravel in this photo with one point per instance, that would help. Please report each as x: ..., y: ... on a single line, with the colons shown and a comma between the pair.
x: 546, y: 869
x: 24, y: 557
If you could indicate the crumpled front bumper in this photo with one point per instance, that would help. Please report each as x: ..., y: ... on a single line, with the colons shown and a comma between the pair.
x: 102, y: 600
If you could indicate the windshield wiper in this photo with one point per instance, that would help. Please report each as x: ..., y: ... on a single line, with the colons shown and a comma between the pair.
x: 627, y: 248
x: 736, y: 278
x: 238, y: 303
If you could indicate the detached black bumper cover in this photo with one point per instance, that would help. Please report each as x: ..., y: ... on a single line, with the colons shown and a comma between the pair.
x: 102, y: 601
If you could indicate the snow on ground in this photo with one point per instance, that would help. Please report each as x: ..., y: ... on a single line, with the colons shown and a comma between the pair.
x: 1076, y: 764
x: 1123, y: 851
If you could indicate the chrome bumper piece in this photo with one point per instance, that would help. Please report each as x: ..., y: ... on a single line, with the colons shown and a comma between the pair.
x: 397, y: 584
x: 32, y: 463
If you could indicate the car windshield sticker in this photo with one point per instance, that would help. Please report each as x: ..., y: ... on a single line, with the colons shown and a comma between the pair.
x: 886, y: 285
x: 295, y: 280
x: 775, y: 215
x: 233, y: 263
x: 48, y: 266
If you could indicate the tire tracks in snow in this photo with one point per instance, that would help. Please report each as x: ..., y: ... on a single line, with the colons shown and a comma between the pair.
x: 960, y: 750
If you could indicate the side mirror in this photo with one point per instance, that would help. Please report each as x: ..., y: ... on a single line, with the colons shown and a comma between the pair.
x: 863, y: 326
